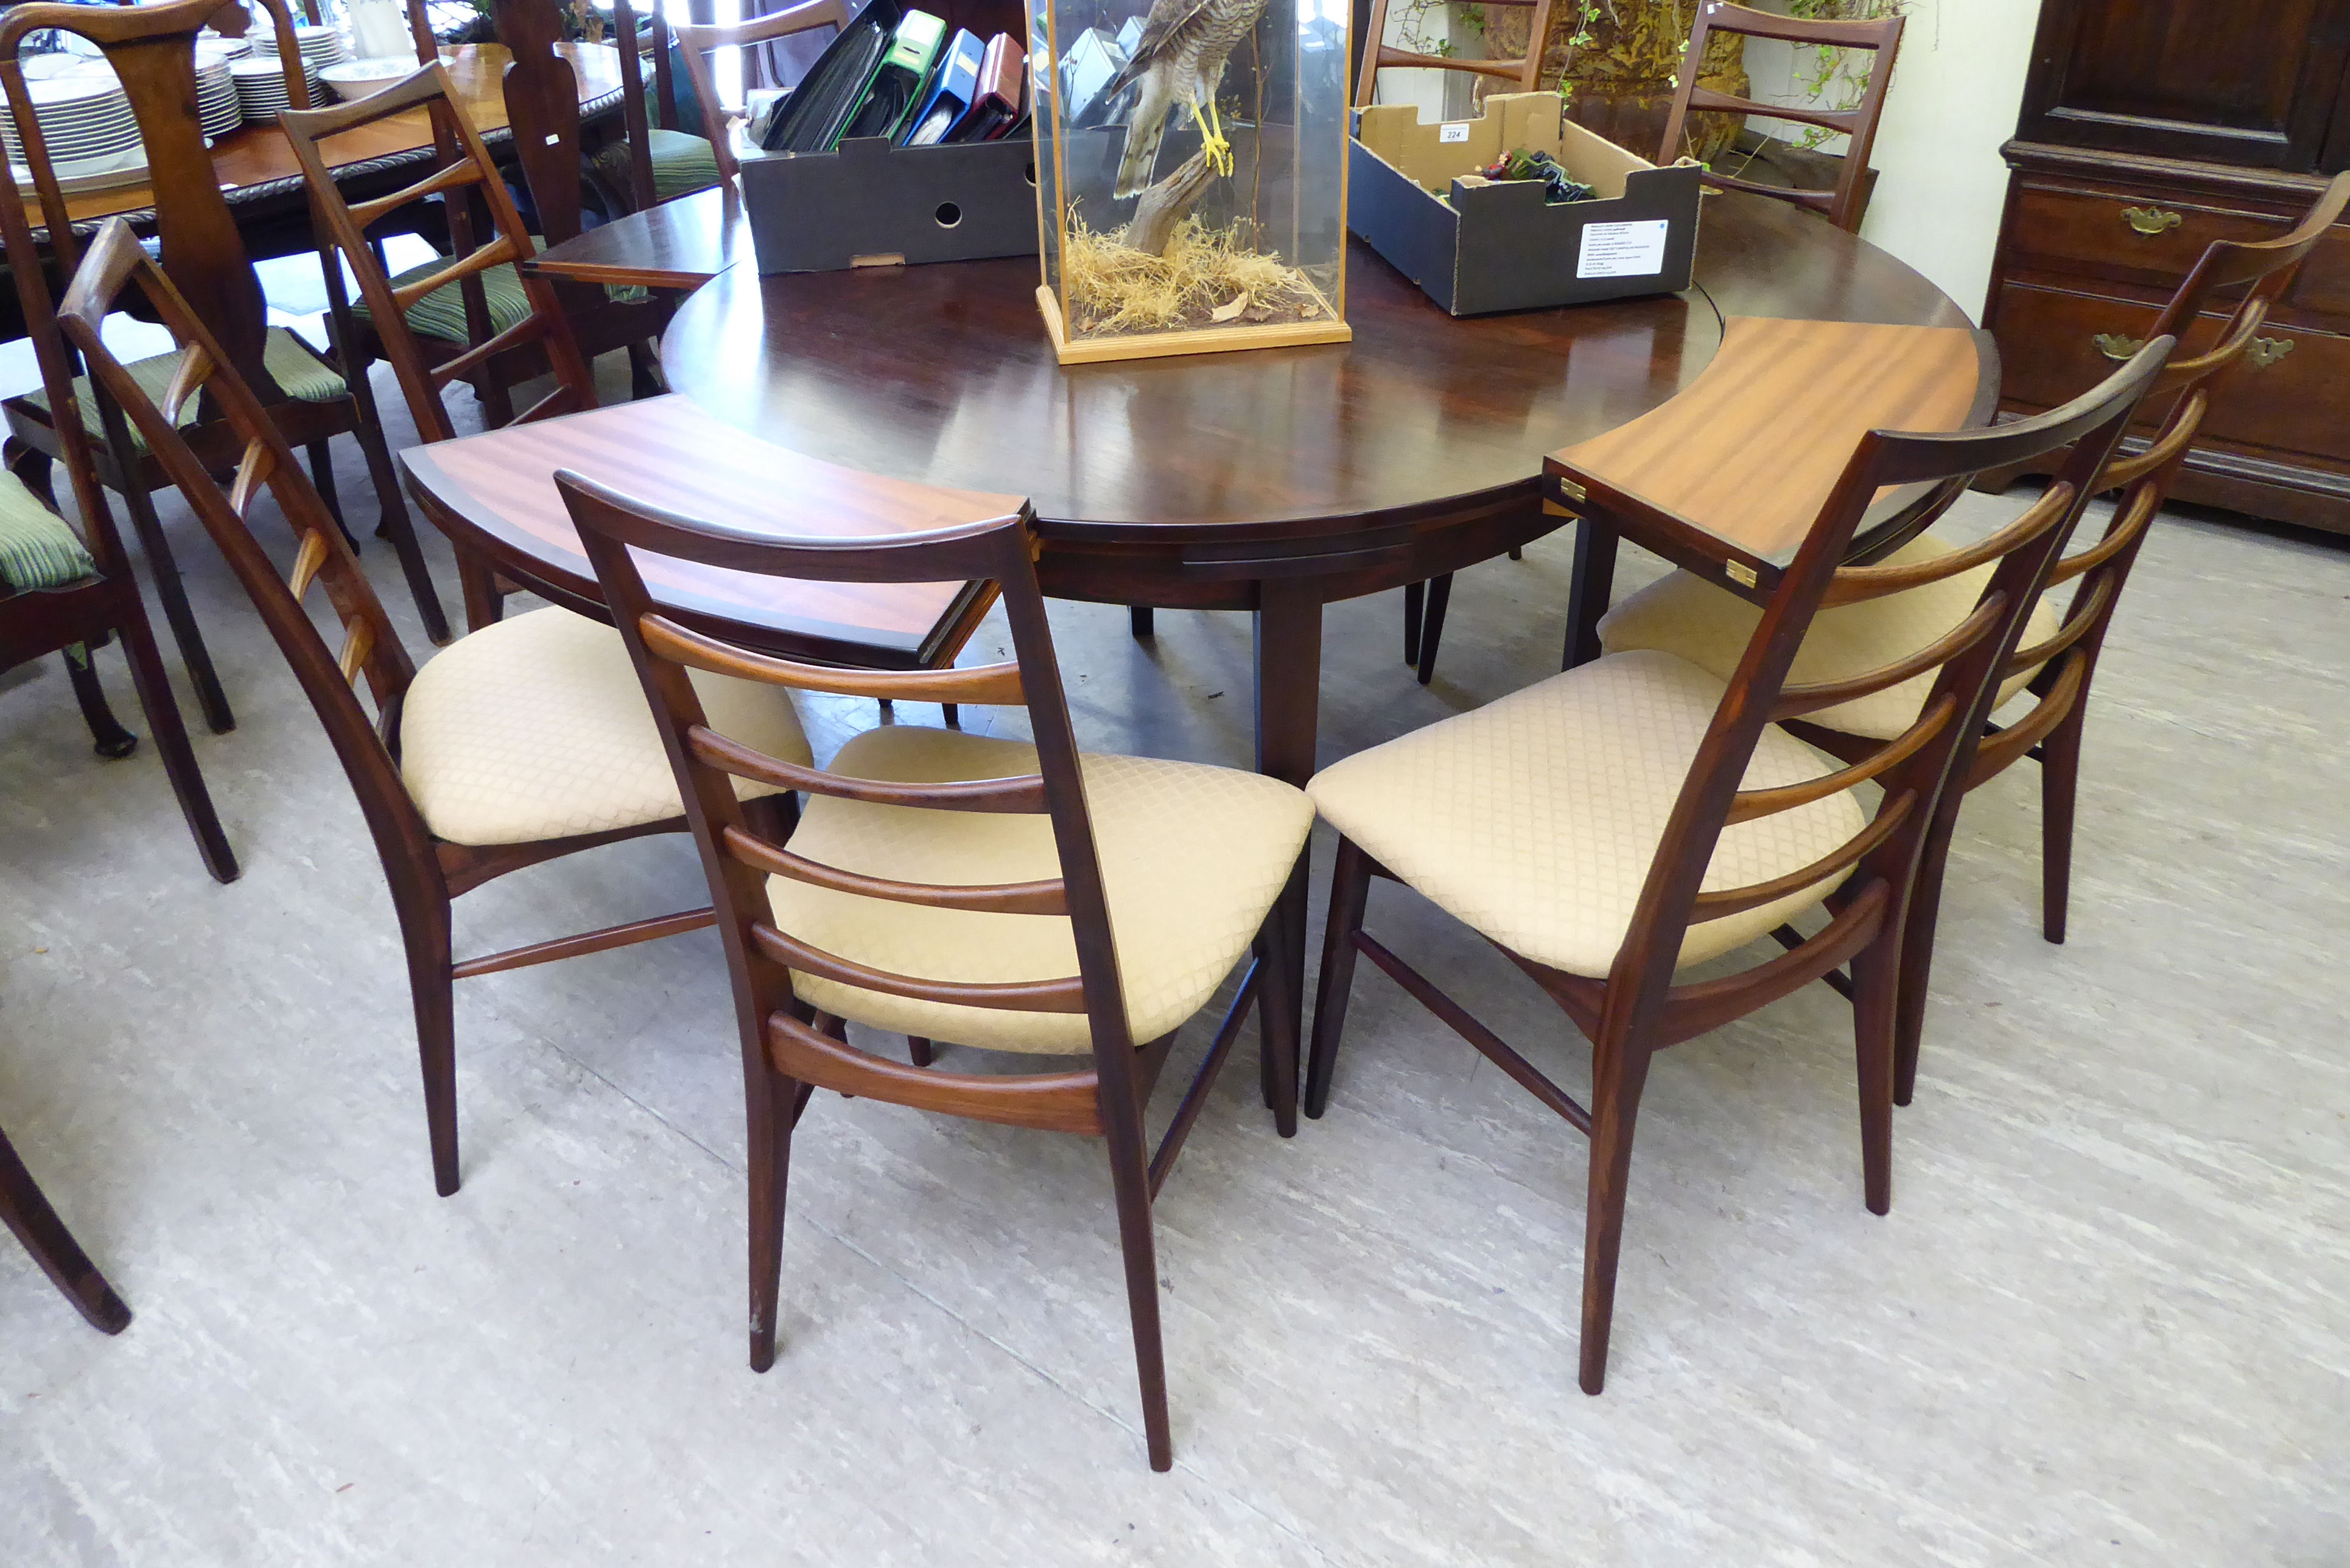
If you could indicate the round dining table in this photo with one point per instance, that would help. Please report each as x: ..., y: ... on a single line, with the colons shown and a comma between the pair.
x: 1274, y: 480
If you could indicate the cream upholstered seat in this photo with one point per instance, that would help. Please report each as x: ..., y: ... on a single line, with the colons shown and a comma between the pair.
x: 536, y: 728
x: 1709, y: 626
x: 1192, y: 859
x: 1533, y: 819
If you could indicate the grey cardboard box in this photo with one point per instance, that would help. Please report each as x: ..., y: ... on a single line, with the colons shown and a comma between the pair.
x: 871, y: 203
x: 1497, y: 245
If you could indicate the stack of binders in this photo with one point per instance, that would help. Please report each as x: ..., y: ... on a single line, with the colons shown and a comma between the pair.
x: 894, y: 73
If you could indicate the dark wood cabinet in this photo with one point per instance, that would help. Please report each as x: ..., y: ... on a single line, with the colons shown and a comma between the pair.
x: 2149, y: 128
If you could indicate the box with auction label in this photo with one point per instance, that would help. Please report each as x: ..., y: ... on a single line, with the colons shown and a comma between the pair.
x: 1418, y: 195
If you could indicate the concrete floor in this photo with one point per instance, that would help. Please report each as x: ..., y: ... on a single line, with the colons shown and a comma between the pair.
x: 2107, y: 1321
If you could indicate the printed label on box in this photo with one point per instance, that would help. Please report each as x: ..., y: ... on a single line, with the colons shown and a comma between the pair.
x: 1623, y: 249
x: 1456, y: 132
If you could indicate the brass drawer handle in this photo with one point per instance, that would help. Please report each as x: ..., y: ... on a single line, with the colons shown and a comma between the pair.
x: 2150, y: 220
x: 2266, y: 351
x: 2116, y: 347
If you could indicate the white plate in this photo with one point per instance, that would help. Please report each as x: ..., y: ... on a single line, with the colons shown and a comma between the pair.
x: 97, y: 174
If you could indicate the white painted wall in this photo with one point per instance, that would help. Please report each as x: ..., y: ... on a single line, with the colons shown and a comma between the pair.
x: 1940, y: 180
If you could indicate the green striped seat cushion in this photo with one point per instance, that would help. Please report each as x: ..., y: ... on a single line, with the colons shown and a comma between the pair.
x: 441, y: 313
x: 298, y: 367
x: 683, y: 163
x: 38, y: 549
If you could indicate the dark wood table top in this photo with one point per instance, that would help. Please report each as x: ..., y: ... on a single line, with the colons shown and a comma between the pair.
x: 943, y: 374
x: 680, y: 243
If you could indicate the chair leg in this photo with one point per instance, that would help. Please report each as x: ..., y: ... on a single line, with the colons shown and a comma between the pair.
x: 920, y: 1050
x: 1876, y: 994
x: 773, y: 1104
x: 1129, y: 1171
x: 1141, y: 621
x: 1276, y: 1029
x: 27, y: 1215
x: 162, y: 710
x: 1618, y: 1075
x: 393, y: 523
x: 1431, y: 628
x: 210, y: 699
x: 424, y: 926
x: 1415, y: 609
x: 644, y: 372
x: 2060, y: 781
x: 322, y: 479
x: 1350, y: 888
x: 1918, y: 957
x: 112, y: 740
x: 950, y: 714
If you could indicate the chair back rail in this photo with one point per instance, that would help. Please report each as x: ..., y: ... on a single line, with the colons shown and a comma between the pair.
x: 739, y: 858
x: 1913, y: 768
x: 696, y: 43
x: 472, y: 173
x: 1523, y: 71
x: 370, y: 649
x: 1882, y: 36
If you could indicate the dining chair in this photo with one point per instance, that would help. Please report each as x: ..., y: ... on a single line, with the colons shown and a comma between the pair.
x: 1424, y: 620
x: 513, y: 745
x: 1612, y: 827
x: 1521, y: 72
x: 697, y: 42
x: 653, y: 162
x: 27, y: 1213
x: 419, y: 318
x: 310, y: 395
x: 1685, y: 615
x: 1881, y: 37
x: 1004, y: 895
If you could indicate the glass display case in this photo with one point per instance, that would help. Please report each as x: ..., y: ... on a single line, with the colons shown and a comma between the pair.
x: 1192, y: 173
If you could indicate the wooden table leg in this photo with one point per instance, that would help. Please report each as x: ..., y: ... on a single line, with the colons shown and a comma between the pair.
x: 1288, y: 708
x: 1594, y: 584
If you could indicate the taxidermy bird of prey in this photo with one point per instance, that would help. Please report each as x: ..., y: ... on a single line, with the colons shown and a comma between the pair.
x: 1180, y: 58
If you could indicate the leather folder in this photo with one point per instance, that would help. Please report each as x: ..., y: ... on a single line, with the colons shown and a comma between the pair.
x: 1003, y: 86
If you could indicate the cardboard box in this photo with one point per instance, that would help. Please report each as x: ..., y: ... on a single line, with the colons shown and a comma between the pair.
x: 872, y: 205
x: 1498, y: 246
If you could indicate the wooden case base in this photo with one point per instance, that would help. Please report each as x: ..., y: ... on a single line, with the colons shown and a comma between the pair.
x: 1202, y: 340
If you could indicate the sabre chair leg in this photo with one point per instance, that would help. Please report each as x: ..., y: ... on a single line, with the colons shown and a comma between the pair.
x: 27, y: 1213
x: 111, y: 740
x: 1916, y: 970
x: 1618, y: 1075
x: 432, y: 984
x: 1129, y: 1171
x: 1431, y: 628
x: 1276, y: 1029
x: 1141, y: 620
x: 644, y: 371
x: 1350, y: 887
x: 210, y: 699
x: 922, y: 1051
x: 322, y: 479
x: 1415, y: 607
x: 2060, y: 781
x: 392, y: 522
x: 162, y: 710
x: 774, y: 1102
x: 1875, y: 979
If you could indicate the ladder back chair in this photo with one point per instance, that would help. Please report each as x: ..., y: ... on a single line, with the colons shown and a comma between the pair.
x: 1882, y: 36
x: 418, y: 317
x: 951, y: 887
x: 313, y: 397
x: 27, y: 1213
x: 697, y: 42
x: 1522, y: 71
x: 1691, y: 619
x: 653, y: 162
x: 1637, y: 815
x: 513, y: 745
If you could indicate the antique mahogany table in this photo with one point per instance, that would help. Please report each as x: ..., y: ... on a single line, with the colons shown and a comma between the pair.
x: 1274, y: 480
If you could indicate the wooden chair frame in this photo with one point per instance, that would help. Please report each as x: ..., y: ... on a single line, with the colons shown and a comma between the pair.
x: 545, y: 335
x: 1640, y: 1007
x: 1522, y: 71
x: 696, y: 43
x: 426, y: 874
x: 788, y: 1048
x: 1840, y: 206
x: 151, y: 48
x: 2050, y: 732
x: 27, y: 1215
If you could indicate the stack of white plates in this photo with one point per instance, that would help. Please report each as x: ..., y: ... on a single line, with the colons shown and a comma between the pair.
x: 218, y: 109
x: 85, y: 118
x: 260, y: 81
